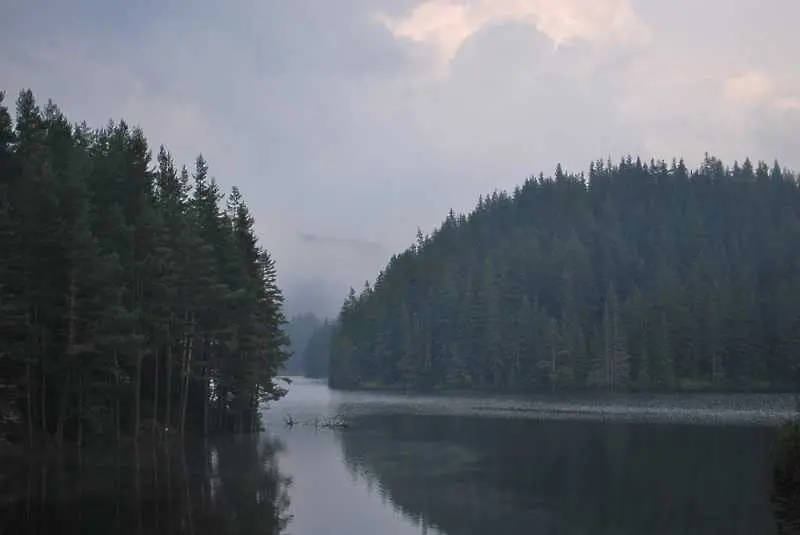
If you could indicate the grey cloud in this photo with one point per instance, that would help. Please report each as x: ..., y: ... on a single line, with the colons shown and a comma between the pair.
x: 511, y: 105
x: 320, y: 39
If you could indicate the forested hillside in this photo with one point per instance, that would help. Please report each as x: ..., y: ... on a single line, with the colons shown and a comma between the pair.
x: 129, y: 298
x: 644, y: 276
x: 316, y: 356
x: 299, y: 330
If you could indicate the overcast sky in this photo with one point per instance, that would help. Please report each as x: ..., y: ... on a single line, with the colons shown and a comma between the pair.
x: 349, y: 123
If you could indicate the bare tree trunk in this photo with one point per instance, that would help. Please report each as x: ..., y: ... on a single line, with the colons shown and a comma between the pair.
x: 137, y: 395
x: 43, y: 490
x: 206, y: 401
x: 156, y: 362
x: 156, y: 488
x: 62, y: 410
x: 168, y: 393
x: 187, y: 364
x: 117, y: 488
x: 138, y: 487
x: 254, y: 412
x: 116, y: 395
x: 30, y: 322
x: 43, y: 398
x: 29, y: 496
x: 72, y: 322
x: 29, y: 400
x: 42, y: 378
x: 206, y: 488
x: 221, y: 395
x: 80, y: 411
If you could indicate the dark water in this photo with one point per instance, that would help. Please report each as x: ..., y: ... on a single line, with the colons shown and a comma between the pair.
x: 408, y: 464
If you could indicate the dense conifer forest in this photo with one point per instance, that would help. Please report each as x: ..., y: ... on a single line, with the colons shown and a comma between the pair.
x: 642, y: 276
x: 131, y: 298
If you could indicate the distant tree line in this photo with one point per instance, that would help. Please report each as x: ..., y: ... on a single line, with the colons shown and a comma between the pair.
x: 130, y: 298
x: 317, y: 352
x: 299, y: 330
x: 309, y: 343
x: 640, y: 276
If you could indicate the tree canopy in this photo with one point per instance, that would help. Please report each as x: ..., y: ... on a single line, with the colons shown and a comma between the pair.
x: 130, y: 297
x: 638, y: 276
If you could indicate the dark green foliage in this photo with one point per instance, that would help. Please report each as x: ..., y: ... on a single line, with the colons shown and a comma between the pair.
x: 639, y: 276
x: 128, y: 298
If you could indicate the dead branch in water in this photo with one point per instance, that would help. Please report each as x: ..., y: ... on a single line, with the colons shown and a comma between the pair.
x: 329, y: 422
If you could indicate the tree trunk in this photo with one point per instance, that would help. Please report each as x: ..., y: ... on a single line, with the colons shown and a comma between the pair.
x: 42, y: 377
x: 29, y: 400
x: 156, y: 362
x: 62, y: 410
x: 137, y: 483
x: 205, y: 401
x: 43, y: 397
x: 254, y: 412
x: 70, y: 355
x: 168, y: 392
x: 80, y: 411
x: 187, y: 364
x: 553, y: 367
x: 221, y: 394
x: 137, y: 395
x: 116, y: 395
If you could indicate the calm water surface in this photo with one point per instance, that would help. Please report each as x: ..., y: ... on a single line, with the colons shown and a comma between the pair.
x: 438, y: 465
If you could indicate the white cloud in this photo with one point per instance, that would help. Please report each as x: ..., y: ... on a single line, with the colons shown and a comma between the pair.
x: 749, y: 89
x: 445, y: 25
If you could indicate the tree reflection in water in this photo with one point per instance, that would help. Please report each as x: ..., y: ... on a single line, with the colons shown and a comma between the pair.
x: 216, y: 486
x: 470, y: 475
x: 786, y: 479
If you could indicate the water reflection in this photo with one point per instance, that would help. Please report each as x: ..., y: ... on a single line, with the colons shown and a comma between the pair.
x: 220, y: 487
x: 406, y: 466
x: 470, y: 475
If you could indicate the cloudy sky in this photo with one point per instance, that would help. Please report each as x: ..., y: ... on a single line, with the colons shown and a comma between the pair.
x: 349, y: 123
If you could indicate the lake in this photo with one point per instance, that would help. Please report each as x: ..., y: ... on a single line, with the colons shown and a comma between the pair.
x: 616, y: 465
